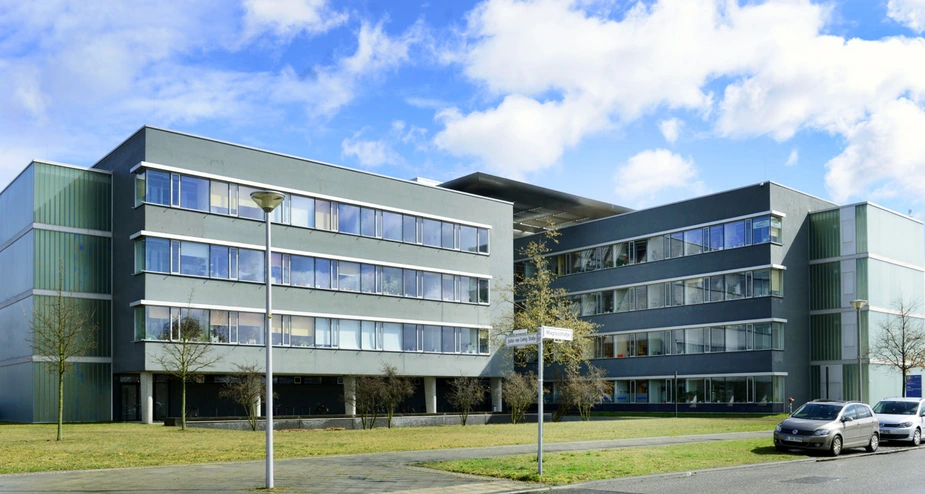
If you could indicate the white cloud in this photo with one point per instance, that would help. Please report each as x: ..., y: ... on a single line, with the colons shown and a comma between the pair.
x: 794, y: 157
x: 886, y: 153
x: 288, y: 18
x: 670, y: 129
x: 910, y: 13
x: 370, y: 154
x: 651, y: 172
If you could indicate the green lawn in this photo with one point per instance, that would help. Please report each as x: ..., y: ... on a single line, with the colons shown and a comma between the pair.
x: 32, y: 448
x: 585, y: 466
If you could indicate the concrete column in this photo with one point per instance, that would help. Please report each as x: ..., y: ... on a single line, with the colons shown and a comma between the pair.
x: 496, y: 394
x: 430, y: 394
x: 147, y: 398
x: 350, y: 395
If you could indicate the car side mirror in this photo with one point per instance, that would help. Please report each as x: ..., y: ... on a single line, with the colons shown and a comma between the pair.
x: 847, y: 419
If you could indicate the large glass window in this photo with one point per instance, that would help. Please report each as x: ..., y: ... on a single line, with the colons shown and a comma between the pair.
x: 656, y: 295
x: 219, y: 328
x: 763, y: 339
x: 247, y: 208
x: 348, y: 218
x: 251, y: 265
x: 449, y: 340
x: 194, y: 259
x: 761, y: 282
x: 693, y: 340
x: 734, y: 234
x: 777, y: 283
x: 349, y: 334
x: 280, y: 215
x: 433, y: 289
x: 718, y: 339
x: 621, y: 255
x: 302, y: 271
x: 250, y: 328
x: 761, y: 230
x: 693, y: 242
x: 322, y: 214
x: 219, y: 197
x: 642, y: 298
x: 391, y: 336
x: 391, y: 226
x: 449, y: 287
x: 410, y: 282
x: 483, y: 291
x: 624, y: 345
x: 468, y: 239
x: 431, y: 233
x: 693, y: 291
x: 775, y: 234
x: 368, y: 278
x: 158, y: 187
x: 368, y: 337
x: 409, y: 229
x: 642, y: 344
x: 322, y: 273
x: 348, y: 276
x: 717, y: 288
x: 140, y: 188
x: 483, y: 241
x: 302, y: 211
x: 302, y: 331
x: 677, y: 292
x: 218, y: 261
x: 157, y: 323
x: 194, y: 193
x: 468, y: 340
x: 659, y: 342
x: 638, y: 251
x: 391, y: 281
x: 735, y: 286
x: 736, y: 338
x: 432, y: 339
x: 448, y: 235
x: 276, y: 269
x: 325, y: 335
x: 409, y: 339
x: 657, y: 249
x: 157, y: 255
x: 367, y: 222
x: 716, y: 237
x: 676, y: 244
x: 623, y: 299
x: 484, y: 347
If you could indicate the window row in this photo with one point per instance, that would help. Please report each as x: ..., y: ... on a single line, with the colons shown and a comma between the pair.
x: 160, y: 255
x: 718, y: 288
x: 714, y: 339
x: 759, y: 230
x: 245, y: 328
x: 737, y: 389
x: 212, y: 196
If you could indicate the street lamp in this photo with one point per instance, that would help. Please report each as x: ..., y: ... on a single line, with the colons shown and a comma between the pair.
x: 858, y: 305
x: 268, y: 200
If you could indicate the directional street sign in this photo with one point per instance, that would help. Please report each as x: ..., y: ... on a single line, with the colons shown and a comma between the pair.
x: 522, y: 339
x: 553, y: 333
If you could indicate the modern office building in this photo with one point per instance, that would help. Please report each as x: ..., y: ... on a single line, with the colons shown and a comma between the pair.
x: 734, y: 301
x: 731, y: 302
x: 367, y: 270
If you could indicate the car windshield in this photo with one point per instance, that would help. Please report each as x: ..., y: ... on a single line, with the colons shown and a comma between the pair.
x: 896, y: 407
x: 817, y: 411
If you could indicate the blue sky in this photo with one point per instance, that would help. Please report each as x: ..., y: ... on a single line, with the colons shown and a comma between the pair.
x: 634, y: 103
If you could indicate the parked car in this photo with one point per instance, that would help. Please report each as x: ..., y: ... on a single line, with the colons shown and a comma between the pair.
x: 901, y: 419
x: 827, y: 425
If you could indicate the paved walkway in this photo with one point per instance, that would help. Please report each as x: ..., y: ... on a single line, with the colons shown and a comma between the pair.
x: 351, y: 474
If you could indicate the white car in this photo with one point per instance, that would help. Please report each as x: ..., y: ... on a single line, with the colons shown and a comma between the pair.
x: 901, y: 419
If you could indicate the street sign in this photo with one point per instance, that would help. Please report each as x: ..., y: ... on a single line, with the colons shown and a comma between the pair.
x: 560, y: 334
x: 522, y: 339
x: 914, y: 386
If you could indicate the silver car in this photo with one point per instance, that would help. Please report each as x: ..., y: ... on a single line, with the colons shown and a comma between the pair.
x: 825, y: 425
x: 901, y: 419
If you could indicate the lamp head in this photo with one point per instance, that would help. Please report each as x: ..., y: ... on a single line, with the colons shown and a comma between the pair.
x: 858, y: 304
x: 268, y: 200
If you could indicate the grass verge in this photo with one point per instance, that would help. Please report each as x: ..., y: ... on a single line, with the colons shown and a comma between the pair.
x: 32, y: 448
x: 585, y: 466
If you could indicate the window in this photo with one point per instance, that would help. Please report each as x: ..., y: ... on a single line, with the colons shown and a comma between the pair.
x: 368, y: 336
x: 251, y: 265
x: 483, y: 291
x: 468, y: 239
x: 448, y: 234
x: 322, y: 214
x: 483, y: 241
x: 302, y: 211
x: 678, y: 336
x: 391, y: 281
x: 432, y: 339
x: 348, y: 276
x: 693, y: 291
x: 604, y: 347
x: 761, y: 282
x: 174, y: 256
x: 734, y: 234
x: 410, y: 282
x: 716, y: 237
x: 348, y: 218
x: 776, y: 234
x: 763, y: 339
x: 717, y: 288
x: 638, y: 249
x: 325, y: 332
x: 280, y: 215
x: 677, y: 292
x: 642, y: 298
x: 468, y: 340
x: 218, y: 261
x: 623, y: 299
x: 368, y: 278
x: 158, y: 187
x: 157, y: 255
x: 367, y: 222
x: 279, y: 334
x: 250, y: 328
x: 777, y: 283
x: 247, y: 208
x: 621, y: 254
x: 449, y: 340
x: 693, y: 340
x: 761, y: 230
x: 693, y: 242
x: 589, y: 303
x: 736, y: 338
x: 659, y: 342
x: 676, y: 244
x: 657, y: 248
x: 432, y: 286
x: 391, y: 226
x: 349, y: 334
x: 322, y: 273
x: 409, y: 229
x: 174, y: 189
x: 194, y: 259
x: 409, y: 340
x: 465, y: 294
x: 157, y: 323
x: 735, y: 286
x: 717, y: 339
x: 140, y: 188
x: 391, y: 336
x: 656, y: 295
x: 219, y: 329
x: 642, y: 344
x: 431, y: 232
x: 302, y: 271
x: 484, y: 347
x: 276, y: 269
x: 302, y: 331
x: 219, y: 197
x: 624, y: 345
x: 449, y: 287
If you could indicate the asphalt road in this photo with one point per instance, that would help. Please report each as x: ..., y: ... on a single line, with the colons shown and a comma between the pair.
x: 893, y: 470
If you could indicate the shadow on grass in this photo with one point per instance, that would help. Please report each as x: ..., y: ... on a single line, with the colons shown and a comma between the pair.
x: 771, y: 450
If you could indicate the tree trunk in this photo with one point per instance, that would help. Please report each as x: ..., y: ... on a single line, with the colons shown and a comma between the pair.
x: 183, y: 407
x: 904, y: 383
x: 60, y: 400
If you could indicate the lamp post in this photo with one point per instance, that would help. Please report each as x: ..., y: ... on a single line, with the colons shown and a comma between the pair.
x: 268, y: 200
x: 858, y: 305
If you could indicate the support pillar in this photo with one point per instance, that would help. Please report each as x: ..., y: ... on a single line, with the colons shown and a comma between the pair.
x: 496, y: 399
x: 430, y: 394
x: 350, y: 396
x: 147, y: 397
x: 257, y: 407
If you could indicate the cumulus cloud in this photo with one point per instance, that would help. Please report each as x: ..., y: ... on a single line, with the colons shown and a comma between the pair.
x: 370, y: 153
x: 886, y: 153
x: 288, y: 18
x: 651, y: 172
x: 670, y: 129
x: 910, y: 13
x: 794, y: 158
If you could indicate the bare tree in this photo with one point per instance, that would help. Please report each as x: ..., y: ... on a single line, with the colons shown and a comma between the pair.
x: 246, y: 388
x: 395, y: 388
x: 519, y: 391
x: 368, y: 399
x: 584, y: 390
x: 465, y: 393
x: 901, y: 342
x: 61, y: 328
x: 187, y: 353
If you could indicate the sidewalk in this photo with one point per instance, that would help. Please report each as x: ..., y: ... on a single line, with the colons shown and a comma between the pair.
x: 351, y: 474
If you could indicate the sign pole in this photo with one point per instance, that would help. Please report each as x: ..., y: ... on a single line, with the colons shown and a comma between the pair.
x: 539, y: 402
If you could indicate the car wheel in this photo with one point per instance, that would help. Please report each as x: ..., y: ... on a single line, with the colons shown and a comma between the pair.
x: 917, y: 437
x: 874, y: 443
x: 835, y: 449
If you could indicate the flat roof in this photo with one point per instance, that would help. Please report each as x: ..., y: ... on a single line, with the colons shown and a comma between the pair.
x: 536, y: 208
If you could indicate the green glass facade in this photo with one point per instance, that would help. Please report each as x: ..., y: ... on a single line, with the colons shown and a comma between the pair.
x: 824, y: 235
x: 87, y: 388
x: 824, y: 286
x: 825, y: 333
x: 72, y: 198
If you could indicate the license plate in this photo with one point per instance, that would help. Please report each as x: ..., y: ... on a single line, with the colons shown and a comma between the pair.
x: 794, y: 439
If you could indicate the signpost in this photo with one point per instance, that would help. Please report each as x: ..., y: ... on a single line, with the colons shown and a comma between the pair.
x: 522, y: 338
x: 914, y: 386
